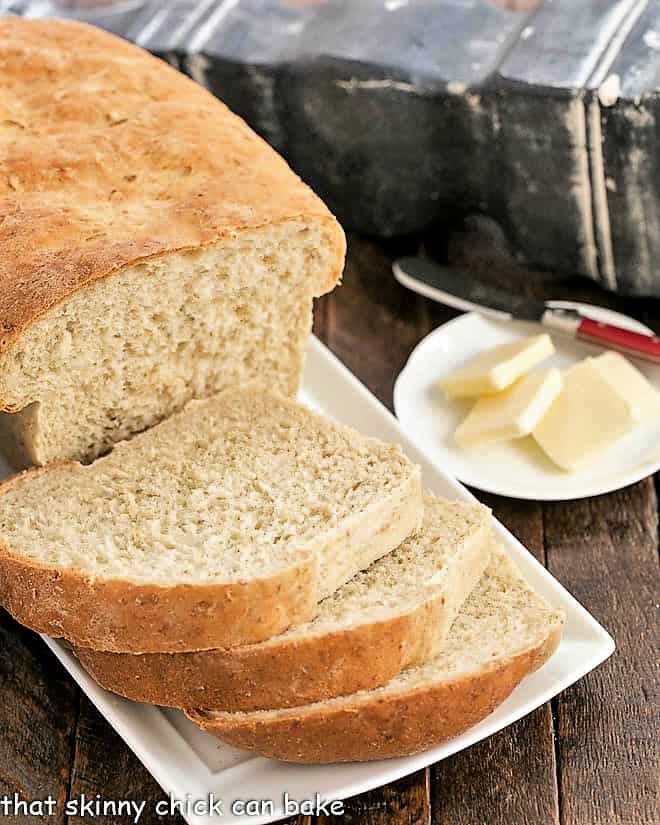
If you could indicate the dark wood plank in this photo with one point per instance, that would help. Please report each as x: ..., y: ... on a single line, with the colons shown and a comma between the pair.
x: 607, y: 743
x: 523, y: 518
x: 521, y: 784
x: 604, y: 550
x: 38, y: 713
x: 104, y: 765
x: 366, y: 341
x: 509, y: 779
x: 372, y: 324
x: 405, y: 802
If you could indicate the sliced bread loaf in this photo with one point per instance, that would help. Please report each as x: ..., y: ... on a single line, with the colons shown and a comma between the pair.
x: 504, y: 632
x: 221, y: 526
x: 388, y: 617
x: 153, y: 249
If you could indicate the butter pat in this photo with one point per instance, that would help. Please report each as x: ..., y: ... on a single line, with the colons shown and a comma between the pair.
x: 602, y: 400
x: 513, y: 413
x: 641, y: 396
x: 496, y: 369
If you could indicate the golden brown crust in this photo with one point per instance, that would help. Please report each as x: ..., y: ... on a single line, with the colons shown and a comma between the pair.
x: 383, y: 726
x: 258, y: 676
x: 123, y: 616
x: 278, y: 673
x: 109, y: 157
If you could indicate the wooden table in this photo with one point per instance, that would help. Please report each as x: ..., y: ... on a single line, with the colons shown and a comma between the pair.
x: 590, y: 756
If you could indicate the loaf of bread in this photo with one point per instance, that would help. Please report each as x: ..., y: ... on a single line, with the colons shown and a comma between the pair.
x: 234, y: 552
x: 388, y: 617
x: 153, y: 249
x: 504, y: 632
x: 221, y: 526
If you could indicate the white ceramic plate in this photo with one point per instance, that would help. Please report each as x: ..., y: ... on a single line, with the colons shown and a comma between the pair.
x: 516, y: 468
x: 190, y: 764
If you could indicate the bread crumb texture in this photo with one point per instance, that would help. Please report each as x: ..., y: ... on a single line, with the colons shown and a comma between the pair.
x: 404, y: 578
x: 231, y: 488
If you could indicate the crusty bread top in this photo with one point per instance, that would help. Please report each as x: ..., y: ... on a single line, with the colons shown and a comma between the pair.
x: 109, y: 156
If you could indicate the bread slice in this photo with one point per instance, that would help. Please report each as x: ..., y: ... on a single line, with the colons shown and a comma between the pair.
x: 221, y: 526
x: 161, y: 254
x: 388, y: 617
x: 504, y: 632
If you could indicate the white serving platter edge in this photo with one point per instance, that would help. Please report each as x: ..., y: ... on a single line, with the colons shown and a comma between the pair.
x: 189, y: 764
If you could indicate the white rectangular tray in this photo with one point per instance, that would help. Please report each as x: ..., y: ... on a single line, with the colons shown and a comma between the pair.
x: 190, y: 764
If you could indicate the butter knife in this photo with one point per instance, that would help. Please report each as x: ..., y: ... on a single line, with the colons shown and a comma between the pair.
x: 455, y: 289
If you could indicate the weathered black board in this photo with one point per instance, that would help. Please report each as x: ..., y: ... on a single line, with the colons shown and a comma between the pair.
x: 408, y: 113
x: 631, y: 157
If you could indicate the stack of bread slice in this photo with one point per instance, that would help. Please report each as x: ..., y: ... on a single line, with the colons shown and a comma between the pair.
x: 280, y: 577
x: 504, y: 632
x: 386, y: 618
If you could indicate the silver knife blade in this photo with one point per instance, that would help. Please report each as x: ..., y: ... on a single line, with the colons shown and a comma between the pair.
x: 458, y: 290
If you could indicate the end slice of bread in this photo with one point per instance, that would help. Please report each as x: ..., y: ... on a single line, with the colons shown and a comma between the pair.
x: 223, y: 525
x: 504, y: 632
x: 164, y: 254
x: 386, y: 618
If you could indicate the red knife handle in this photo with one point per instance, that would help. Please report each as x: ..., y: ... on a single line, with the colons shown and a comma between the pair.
x: 636, y: 344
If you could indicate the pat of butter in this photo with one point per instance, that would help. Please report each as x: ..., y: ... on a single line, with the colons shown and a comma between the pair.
x: 513, y: 413
x: 497, y: 368
x: 641, y: 396
x: 602, y: 400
